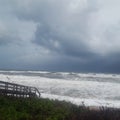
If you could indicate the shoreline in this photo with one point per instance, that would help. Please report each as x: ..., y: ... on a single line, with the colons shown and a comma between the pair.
x: 93, y: 103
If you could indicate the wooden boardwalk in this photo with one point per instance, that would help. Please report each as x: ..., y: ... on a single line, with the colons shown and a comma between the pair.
x: 16, y: 90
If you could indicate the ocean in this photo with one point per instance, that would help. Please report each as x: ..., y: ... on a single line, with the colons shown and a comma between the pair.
x: 90, y: 89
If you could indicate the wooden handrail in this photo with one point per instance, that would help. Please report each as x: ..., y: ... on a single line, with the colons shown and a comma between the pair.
x: 13, y: 89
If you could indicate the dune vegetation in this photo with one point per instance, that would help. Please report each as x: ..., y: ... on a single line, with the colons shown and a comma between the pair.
x: 44, y: 109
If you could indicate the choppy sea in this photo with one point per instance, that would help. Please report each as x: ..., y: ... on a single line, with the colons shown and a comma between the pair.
x: 91, y: 89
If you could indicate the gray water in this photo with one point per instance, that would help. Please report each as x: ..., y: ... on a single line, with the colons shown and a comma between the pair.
x: 74, y: 85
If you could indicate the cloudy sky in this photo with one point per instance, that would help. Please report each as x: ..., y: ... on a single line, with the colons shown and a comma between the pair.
x: 60, y: 35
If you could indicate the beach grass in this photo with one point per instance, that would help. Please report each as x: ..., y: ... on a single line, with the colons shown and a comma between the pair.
x: 44, y: 109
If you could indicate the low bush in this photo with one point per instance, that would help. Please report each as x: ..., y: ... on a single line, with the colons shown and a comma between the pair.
x: 44, y: 109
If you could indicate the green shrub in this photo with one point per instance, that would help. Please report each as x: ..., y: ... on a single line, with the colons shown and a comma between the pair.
x: 44, y: 109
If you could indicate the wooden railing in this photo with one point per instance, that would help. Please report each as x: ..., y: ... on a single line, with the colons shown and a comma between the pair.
x: 16, y: 90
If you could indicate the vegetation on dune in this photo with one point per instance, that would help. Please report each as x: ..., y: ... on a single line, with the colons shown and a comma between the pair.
x: 45, y: 109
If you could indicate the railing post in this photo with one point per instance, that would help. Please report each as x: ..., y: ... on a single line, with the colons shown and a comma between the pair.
x: 6, y: 86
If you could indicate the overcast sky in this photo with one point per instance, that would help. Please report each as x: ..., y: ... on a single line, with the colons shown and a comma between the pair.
x: 60, y: 35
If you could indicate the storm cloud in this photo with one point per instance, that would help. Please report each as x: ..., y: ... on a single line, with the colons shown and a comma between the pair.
x: 60, y: 35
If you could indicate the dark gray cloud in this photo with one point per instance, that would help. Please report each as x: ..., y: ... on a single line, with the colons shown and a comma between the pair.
x: 60, y: 35
x: 65, y: 45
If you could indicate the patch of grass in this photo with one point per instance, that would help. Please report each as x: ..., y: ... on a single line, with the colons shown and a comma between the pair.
x: 44, y: 109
